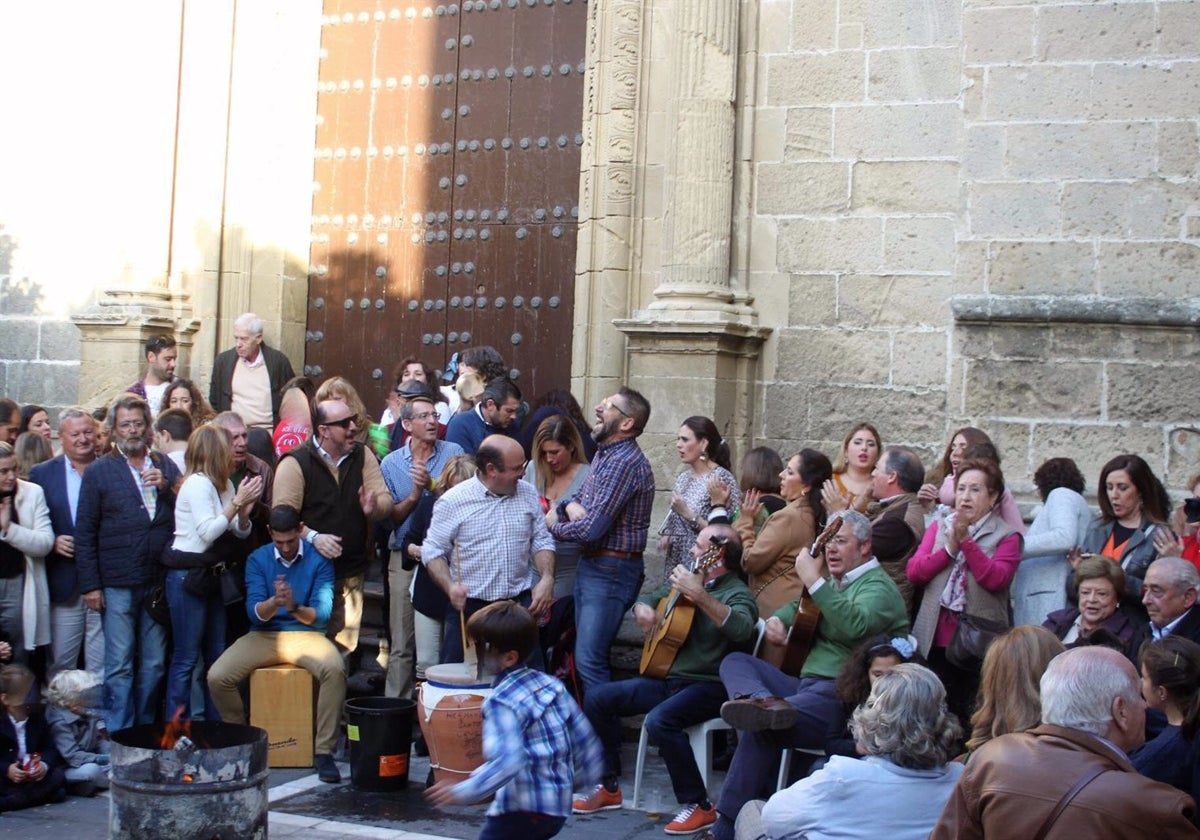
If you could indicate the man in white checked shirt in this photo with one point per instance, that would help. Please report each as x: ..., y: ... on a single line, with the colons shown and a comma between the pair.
x: 486, y: 536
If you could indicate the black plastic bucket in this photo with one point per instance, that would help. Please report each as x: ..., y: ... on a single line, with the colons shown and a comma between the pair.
x: 379, y: 730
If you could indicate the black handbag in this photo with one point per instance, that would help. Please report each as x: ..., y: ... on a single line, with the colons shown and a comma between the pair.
x: 971, y: 639
x: 154, y: 602
x: 233, y: 584
x: 201, y: 582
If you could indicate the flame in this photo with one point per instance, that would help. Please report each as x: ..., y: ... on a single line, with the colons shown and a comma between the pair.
x: 174, y: 730
x: 188, y: 777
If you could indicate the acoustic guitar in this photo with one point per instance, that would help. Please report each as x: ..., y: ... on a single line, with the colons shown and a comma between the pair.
x: 675, y: 615
x: 803, y: 631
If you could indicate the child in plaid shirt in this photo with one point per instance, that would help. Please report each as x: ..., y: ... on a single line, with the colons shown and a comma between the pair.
x: 538, y: 744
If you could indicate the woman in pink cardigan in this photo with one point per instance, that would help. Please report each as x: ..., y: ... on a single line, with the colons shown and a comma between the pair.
x: 966, y: 563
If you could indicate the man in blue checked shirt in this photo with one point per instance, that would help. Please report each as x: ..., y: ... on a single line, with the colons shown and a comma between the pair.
x: 537, y: 743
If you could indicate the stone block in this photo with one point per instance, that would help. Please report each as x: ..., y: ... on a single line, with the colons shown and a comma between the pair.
x: 816, y: 78
x: 1178, y: 24
x: 922, y: 186
x: 918, y: 244
x: 899, y: 413
x: 1041, y: 268
x: 1133, y: 91
x: 894, y: 300
x: 1085, y: 151
x: 857, y: 357
x: 1108, y: 342
x: 785, y: 409
x: 915, y: 23
x: 971, y: 273
x: 898, y: 131
x: 823, y: 245
x: 809, y: 134
x: 1111, y: 31
x: 1151, y: 269
x: 1096, y: 209
x: 1013, y: 210
x: 1033, y: 389
x: 919, y: 359
x: 1151, y: 393
x: 813, y: 25
x: 770, y: 134
x: 795, y: 189
x: 983, y: 156
x: 774, y: 17
x: 1178, y: 147
x: 18, y: 339
x: 1093, y: 445
x: 1015, y: 341
x: 59, y: 341
x: 44, y: 383
x: 998, y: 36
x: 1039, y: 92
x: 850, y: 36
x: 973, y: 90
x: 914, y: 75
x: 812, y: 300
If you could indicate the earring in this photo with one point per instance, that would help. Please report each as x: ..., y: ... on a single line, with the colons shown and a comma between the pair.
x: 703, y: 457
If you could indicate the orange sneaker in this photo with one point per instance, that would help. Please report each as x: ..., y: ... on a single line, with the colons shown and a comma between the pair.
x: 691, y: 819
x: 599, y: 799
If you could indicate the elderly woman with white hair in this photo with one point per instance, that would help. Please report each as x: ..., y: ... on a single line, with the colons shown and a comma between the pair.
x: 908, y: 737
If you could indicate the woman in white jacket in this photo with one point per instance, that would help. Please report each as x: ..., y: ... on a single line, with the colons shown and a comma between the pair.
x: 205, y: 508
x: 25, y: 539
x: 1060, y: 525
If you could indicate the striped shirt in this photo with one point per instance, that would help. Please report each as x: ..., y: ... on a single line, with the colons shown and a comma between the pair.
x: 488, y: 540
x: 538, y: 746
x: 617, y: 494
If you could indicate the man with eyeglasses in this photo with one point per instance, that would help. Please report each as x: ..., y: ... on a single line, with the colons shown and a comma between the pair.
x: 409, y: 473
x: 338, y: 489
x: 126, y: 516
x: 773, y: 711
x: 161, y: 357
x: 609, y: 516
x: 484, y: 533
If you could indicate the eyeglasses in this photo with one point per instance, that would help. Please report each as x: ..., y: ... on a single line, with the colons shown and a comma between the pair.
x: 616, y: 408
x: 423, y: 416
x: 344, y: 423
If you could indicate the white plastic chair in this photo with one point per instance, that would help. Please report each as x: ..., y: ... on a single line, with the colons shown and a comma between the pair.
x: 699, y: 737
x: 785, y: 763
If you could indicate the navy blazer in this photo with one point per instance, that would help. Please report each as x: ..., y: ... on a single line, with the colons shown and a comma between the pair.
x: 116, y: 544
x: 51, y: 476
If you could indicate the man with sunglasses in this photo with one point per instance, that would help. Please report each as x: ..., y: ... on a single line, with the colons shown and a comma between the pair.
x: 408, y: 472
x: 610, y: 516
x: 161, y: 356
x: 336, y: 485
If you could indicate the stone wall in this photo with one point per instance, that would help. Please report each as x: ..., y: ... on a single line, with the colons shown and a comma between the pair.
x: 912, y: 159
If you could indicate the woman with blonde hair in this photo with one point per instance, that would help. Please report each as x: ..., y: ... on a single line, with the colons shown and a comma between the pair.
x: 205, y: 508
x: 557, y: 471
x: 1009, y: 693
x: 429, y: 600
x: 32, y: 449
x: 850, y: 485
x: 370, y: 434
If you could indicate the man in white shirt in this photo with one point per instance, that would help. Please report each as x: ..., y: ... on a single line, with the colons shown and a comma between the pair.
x: 171, y: 432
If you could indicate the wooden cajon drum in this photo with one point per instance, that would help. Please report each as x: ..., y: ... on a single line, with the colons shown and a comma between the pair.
x: 281, y: 702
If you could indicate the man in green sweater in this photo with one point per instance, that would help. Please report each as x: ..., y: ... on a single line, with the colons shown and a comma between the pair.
x: 772, y: 710
x: 691, y: 692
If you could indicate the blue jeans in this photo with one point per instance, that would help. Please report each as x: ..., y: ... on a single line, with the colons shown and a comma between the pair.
x: 130, y: 635
x: 197, y: 627
x: 605, y: 588
x: 672, y: 706
x: 752, y: 773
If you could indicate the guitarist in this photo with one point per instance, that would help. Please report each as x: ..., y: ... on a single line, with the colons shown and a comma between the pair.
x: 691, y: 692
x: 771, y: 710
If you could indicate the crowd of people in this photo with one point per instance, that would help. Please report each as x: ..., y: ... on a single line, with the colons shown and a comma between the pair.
x: 907, y: 627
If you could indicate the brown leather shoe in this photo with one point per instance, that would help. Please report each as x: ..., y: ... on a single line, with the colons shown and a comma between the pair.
x: 755, y: 714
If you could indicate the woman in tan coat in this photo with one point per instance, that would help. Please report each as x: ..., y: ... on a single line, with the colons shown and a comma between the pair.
x: 769, y: 556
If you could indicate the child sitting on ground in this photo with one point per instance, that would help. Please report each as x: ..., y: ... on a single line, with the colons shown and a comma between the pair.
x: 537, y: 743
x: 31, y: 770
x: 76, y: 722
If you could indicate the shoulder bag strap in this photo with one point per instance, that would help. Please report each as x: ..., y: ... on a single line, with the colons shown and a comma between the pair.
x: 1065, y: 801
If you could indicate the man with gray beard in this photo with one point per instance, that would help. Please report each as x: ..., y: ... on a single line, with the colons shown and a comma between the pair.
x: 126, y: 516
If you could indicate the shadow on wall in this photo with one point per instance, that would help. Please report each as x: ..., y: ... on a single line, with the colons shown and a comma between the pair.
x: 18, y: 296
